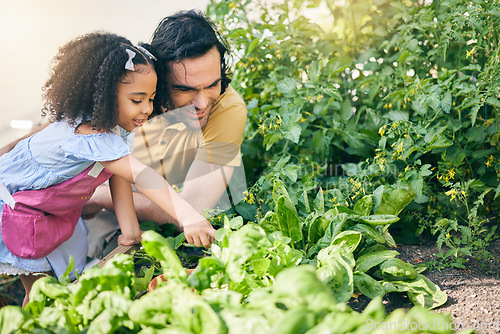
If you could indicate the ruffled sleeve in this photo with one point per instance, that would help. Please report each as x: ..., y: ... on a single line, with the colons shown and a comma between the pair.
x: 95, y: 147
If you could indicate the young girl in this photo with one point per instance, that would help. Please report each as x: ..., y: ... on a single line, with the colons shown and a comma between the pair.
x: 101, y: 89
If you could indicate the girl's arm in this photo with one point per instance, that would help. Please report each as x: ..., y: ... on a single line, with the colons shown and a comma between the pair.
x: 196, y: 228
x: 123, y: 204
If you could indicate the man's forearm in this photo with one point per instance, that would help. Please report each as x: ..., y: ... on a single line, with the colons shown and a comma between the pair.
x: 145, y: 209
x: 202, y: 191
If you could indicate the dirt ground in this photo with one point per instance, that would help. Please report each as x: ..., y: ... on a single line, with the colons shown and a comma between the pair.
x: 473, y: 293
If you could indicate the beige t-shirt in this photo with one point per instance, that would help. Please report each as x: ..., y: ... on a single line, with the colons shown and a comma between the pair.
x: 170, y: 148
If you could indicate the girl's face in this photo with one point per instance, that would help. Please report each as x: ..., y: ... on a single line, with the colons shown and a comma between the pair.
x: 136, y: 92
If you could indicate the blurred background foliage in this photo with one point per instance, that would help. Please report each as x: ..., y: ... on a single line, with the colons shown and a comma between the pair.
x: 349, y: 98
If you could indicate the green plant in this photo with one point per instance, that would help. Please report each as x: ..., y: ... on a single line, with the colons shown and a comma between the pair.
x: 394, y: 93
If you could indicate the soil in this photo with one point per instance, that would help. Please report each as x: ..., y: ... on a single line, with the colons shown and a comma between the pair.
x: 473, y: 292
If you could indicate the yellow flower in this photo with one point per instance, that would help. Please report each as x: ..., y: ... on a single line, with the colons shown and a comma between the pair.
x: 381, y: 131
x: 470, y: 53
x: 452, y: 193
x: 249, y: 198
x: 451, y: 173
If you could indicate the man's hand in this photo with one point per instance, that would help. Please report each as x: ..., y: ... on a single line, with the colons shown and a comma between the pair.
x: 199, y: 234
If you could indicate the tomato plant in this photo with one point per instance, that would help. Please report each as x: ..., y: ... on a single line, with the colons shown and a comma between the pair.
x: 349, y: 97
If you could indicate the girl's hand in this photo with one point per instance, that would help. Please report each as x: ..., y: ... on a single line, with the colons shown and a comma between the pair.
x: 199, y: 234
x: 124, y: 241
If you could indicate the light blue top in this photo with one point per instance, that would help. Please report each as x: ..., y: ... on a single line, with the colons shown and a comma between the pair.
x: 49, y: 157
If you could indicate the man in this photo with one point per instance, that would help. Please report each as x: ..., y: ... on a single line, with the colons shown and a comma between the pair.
x: 196, y: 144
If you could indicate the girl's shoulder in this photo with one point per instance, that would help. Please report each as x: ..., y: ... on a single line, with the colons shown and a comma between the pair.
x: 88, y: 144
x: 78, y: 144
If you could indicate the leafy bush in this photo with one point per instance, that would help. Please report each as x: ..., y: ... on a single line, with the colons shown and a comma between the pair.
x: 348, y: 97
x: 106, y: 301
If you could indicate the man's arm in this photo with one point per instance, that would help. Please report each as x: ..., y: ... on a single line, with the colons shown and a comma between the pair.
x: 11, y: 145
x: 204, y: 186
x: 196, y: 228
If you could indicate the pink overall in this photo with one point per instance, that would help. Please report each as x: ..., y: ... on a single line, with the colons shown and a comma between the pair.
x: 43, y: 219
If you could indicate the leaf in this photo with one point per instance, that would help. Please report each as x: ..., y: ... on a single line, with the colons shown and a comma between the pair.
x: 440, y: 142
x: 317, y: 229
x: 201, y: 277
x: 141, y: 283
x: 394, y: 201
x: 421, y: 291
x: 314, y: 70
x: 394, y: 268
x: 379, y: 219
x: 287, y: 86
x: 433, y: 100
x: 431, y: 135
x: 364, y: 205
x: 367, y: 285
x: 339, y: 64
x: 420, y: 105
x: 346, y: 110
x: 253, y: 44
x: 292, y: 132
x: 12, y: 318
x: 369, y: 232
x: 296, y: 320
x: 335, y: 269
x: 473, y: 113
x: 288, y: 219
x: 319, y: 143
x: 301, y: 283
x: 158, y: 247
x: 389, y: 239
x: 493, y: 101
x: 349, y: 239
x: 336, y: 225
x: 319, y: 201
x: 270, y: 139
x: 446, y: 102
x: 368, y: 261
x: 236, y: 222
x: 243, y: 245
x: 260, y: 266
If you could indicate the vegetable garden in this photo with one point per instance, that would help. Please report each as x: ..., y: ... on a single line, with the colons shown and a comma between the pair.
x: 371, y: 124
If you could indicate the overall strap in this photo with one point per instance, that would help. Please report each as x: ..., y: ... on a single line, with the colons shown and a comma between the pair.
x: 6, y: 196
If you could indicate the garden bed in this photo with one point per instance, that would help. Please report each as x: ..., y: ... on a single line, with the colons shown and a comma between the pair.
x: 473, y: 293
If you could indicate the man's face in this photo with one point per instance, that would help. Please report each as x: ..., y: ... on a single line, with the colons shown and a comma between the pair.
x: 197, y: 82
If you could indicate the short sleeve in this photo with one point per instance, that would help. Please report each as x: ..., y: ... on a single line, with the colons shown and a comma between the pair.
x: 223, y: 135
x: 95, y: 147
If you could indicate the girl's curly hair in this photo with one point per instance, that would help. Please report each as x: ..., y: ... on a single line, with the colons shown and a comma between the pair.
x: 84, y: 79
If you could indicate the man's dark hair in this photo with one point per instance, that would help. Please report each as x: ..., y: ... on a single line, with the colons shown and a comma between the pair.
x: 189, y: 34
